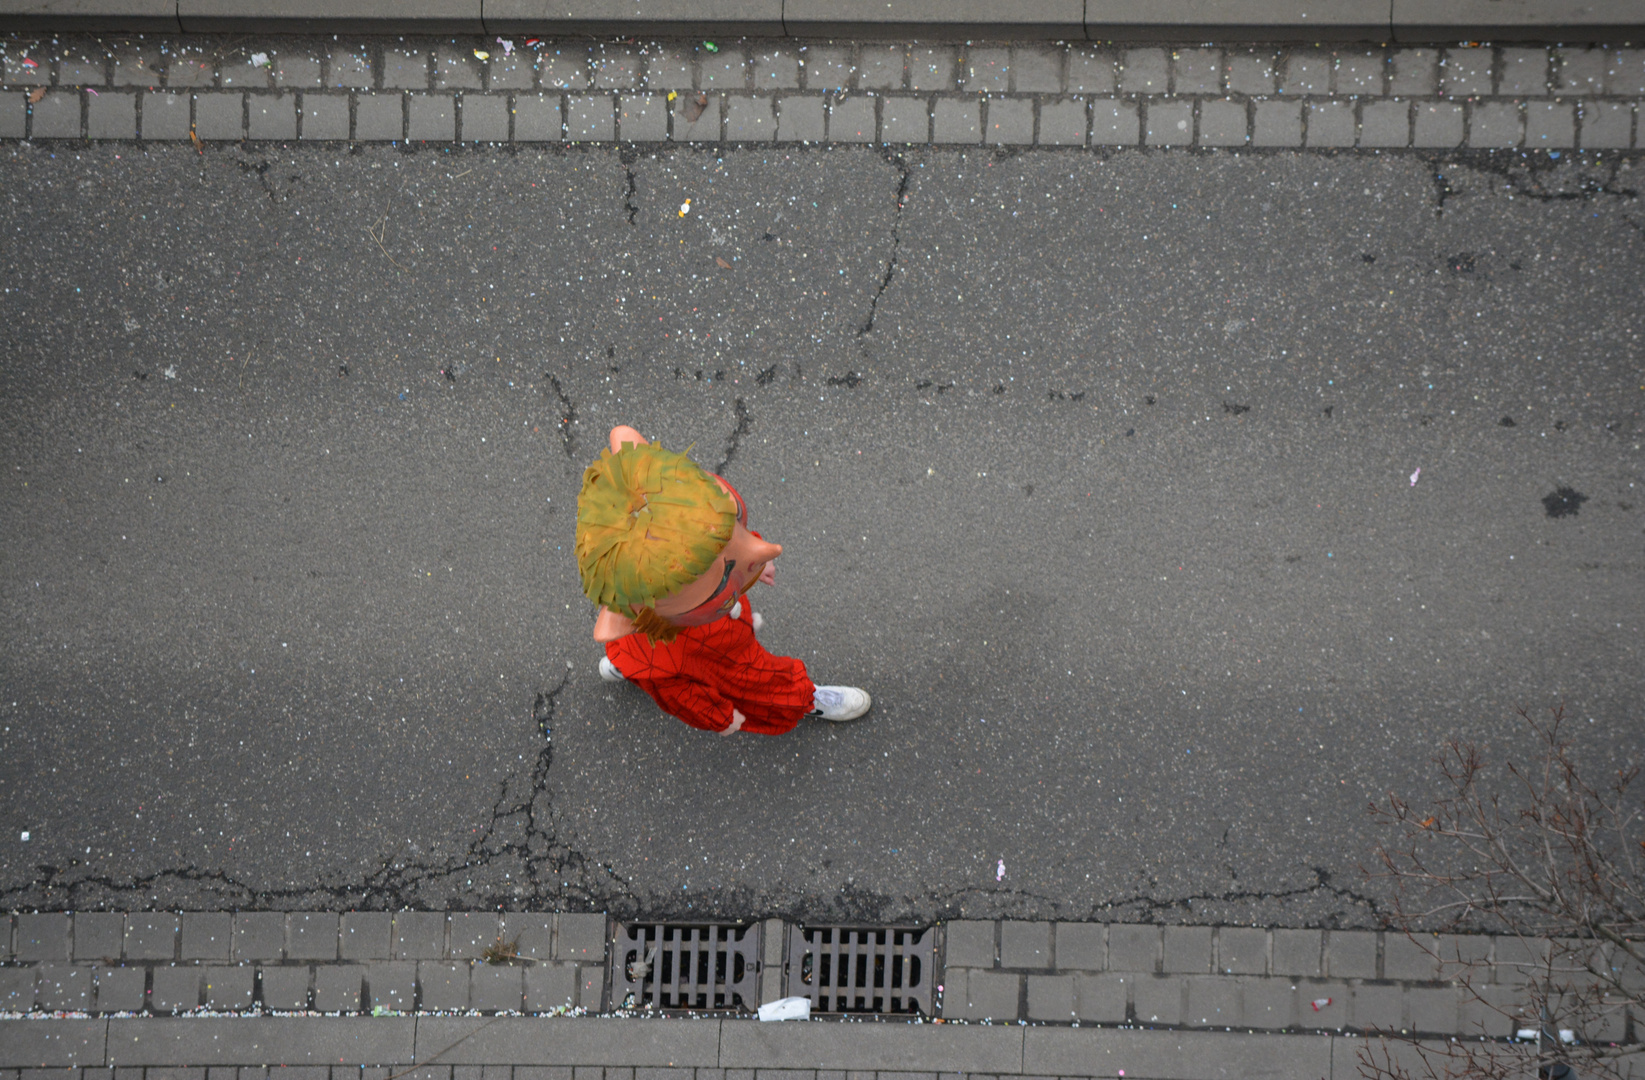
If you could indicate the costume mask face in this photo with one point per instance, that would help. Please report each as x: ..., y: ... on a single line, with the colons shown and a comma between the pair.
x: 731, y: 575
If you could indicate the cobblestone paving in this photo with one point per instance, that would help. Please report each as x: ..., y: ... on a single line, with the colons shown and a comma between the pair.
x: 528, y: 90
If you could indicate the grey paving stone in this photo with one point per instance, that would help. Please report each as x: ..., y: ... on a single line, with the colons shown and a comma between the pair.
x: 511, y: 71
x: 284, y: 988
x: 442, y: 985
x: 986, y: 70
x: 562, y: 1072
x: 706, y: 128
x: 432, y: 117
x: 153, y: 935
x: 532, y: 933
x: 14, y: 124
x: 537, y: 118
x: 484, y: 118
x: 1133, y: 947
x: 1517, y: 960
x: 1186, y: 950
x: 1606, y: 125
x: 175, y: 988
x: 1322, y: 1005
x: 239, y: 73
x: 1330, y: 123
x: 1090, y: 70
x: 1385, y: 123
x: 751, y: 118
x: 496, y: 988
x: 392, y: 984
x: 1582, y: 71
x: 1459, y: 951
x: 1410, y: 959
x: 776, y: 67
x: 905, y: 120
x: 1491, y: 1011
x: 17, y: 989
x: 337, y: 987
x: 616, y: 67
x: 405, y: 68
x: 1158, y: 999
x: 229, y: 986
x: 294, y: 71
x: 470, y: 933
x: 1437, y: 124
x: 1433, y: 1009
x: 1414, y: 72
x: 362, y: 935
x: 969, y: 943
x: 1252, y: 73
x: 1102, y: 998
x: 55, y: 116
x: 726, y: 70
x: 1378, y: 1007
x: 826, y: 67
x: 1361, y: 72
x: 1196, y: 71
x: 1625, y: 73
x: 640, y: 118
x: 800, y: 119
x: 1495, y: 124
x: 881, y: 67
x: 1549, y: 125
x: 62, y: 986
x: 932, y: 67
x: 187, y: 67
x: 83, y: 69
x: 1466, y: 72
x: 457, y: 68
x: 380, y: 118
x: 216, y: 116
x: 1051, y: 997
x: 22, y: 69
x: 1143, y: 71
x: 1168, y: 123
x: 137, y: 65
x: 1268, y: 1003
x: 550, y: 987
x: 984, y: 995
x: 98, y: 935
x: 1297, y: 952
x: 1523, y: 73
x: 119, y: 989
x: 669, y: 67
x: 6, y: 924
x: 1010, y: 122
x: 1351, y: 954
x: 1063, y: 123
x: 851, y: 120
x: 1306, y: 73
x: 273, y: 116
x: 1025, y: 944
x: 1241, y: 950
x: 1080, y: 946
x: 567, y: 66
x: 165, y: 115
x: 420, y: 935
x: 1213, y: 1001
x: 1037, y: 69
x: 591, y: 986
x: 184, y: 1072
x: 207, y: 935
x: 349, y: 67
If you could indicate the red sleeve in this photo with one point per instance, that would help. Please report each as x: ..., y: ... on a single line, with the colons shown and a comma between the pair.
x: 698, y: 704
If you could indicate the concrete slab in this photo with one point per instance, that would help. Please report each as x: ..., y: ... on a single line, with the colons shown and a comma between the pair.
x: 927, y: 1048
x: 1173, y: 1055
x: 568, y: 1041
x: 243, y: 1041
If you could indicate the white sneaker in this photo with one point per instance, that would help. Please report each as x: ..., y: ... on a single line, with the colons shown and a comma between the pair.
x: 609, y: 672
x: 759, y: 622
x: 840, y: 703
x: 736, y: 612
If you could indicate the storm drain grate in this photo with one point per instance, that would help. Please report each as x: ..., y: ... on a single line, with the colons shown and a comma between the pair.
x: 852, y: 969
x: 675, y: 966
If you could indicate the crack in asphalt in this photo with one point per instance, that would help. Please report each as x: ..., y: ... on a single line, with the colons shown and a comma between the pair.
x: 744, y: 426
x: 568, y: 416
x: 629, y: 204
x: 896, y: 240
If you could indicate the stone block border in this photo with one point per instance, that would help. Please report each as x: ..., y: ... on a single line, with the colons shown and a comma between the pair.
x: 446, y: 91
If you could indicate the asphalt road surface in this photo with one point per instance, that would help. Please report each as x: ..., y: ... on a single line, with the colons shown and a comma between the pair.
x: 1172, y: 505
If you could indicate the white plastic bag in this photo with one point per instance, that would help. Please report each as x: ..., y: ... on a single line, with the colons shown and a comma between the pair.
x: 793, y: 1008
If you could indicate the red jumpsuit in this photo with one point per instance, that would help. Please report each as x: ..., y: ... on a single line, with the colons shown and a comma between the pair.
x: 707, y: 670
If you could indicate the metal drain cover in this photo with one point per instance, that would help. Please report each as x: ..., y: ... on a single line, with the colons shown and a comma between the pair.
x: 685, y: 966
x: 862, y: 969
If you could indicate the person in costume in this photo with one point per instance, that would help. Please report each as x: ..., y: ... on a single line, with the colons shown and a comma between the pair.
x: 664, y: 549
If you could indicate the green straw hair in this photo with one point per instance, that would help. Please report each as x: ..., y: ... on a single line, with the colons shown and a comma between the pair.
x: 649, y: 522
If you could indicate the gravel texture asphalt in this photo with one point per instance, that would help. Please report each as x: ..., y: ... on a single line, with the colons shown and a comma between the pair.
x: 1100, y: 472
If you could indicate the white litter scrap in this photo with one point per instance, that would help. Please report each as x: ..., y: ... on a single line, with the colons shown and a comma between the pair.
x: 789, y: 1008
x: 259, y: 59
